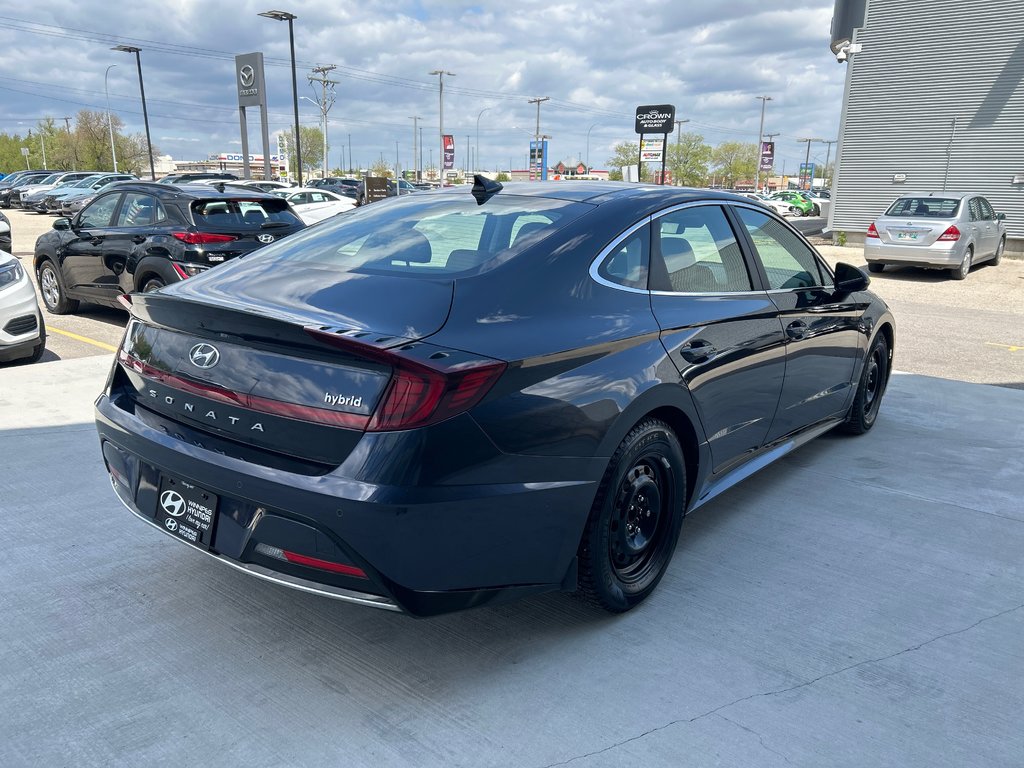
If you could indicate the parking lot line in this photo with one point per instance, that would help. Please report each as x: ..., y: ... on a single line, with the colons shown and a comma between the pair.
x: 86, y: 339
x: 1009, y: 347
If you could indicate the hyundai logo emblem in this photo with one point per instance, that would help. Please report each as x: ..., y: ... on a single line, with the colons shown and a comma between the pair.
x: 204, y: 356
x: 265, y: 238
x: 246, y: 75
x: 173, y: 503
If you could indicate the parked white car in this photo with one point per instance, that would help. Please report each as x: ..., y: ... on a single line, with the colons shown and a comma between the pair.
x: 22, y: 331
x: 313, y: 205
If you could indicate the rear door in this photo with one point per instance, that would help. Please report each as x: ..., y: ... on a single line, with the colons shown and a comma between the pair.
x: 984, y: 219
x: 822, y: 328
x: 719, y: 327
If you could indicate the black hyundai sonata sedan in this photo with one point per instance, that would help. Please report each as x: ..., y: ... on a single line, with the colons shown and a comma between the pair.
x: 459, y: 397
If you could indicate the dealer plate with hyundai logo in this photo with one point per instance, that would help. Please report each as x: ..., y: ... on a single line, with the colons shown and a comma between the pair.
x: 186, y: 510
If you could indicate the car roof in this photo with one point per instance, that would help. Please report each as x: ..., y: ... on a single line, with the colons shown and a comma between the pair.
x: 601, y: 191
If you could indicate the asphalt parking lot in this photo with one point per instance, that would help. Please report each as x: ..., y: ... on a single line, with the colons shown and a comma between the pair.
x: 859, y: 603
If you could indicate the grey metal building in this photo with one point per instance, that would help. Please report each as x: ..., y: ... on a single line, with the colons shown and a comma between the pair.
x: 934, y: 100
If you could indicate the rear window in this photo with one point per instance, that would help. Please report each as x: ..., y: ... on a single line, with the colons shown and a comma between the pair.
x: 428, y: 236
x: 218, y: 214
x: 925, y: 207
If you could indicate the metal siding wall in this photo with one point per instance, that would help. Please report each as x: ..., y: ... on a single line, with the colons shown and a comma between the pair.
x: 925, y: 62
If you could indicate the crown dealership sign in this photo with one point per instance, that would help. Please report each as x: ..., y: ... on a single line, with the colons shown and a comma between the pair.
x: 656, y: 119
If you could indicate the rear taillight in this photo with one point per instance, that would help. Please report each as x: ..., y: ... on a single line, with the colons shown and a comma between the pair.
x: 418, y: 394
x: 202, y: 238
x: 952, y: 234
x: 872, y: 232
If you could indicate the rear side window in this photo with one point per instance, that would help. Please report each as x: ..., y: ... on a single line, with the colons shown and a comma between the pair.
x: 218, y: 214
x: 431, y: 236
x: 139, y: 210
x: 629, y: 261
x: 926, y: 207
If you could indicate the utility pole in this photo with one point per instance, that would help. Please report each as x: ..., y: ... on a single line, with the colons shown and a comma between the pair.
x: 807, y: 159
x: 760, y: 139
x: 350, y: 153
x: 536, y: 136
x: 71, y: 141
x: 416, y: 160
x: 325, y: 102
x: 440, y: 103
x: 828, y: 156
x: 679, y: 144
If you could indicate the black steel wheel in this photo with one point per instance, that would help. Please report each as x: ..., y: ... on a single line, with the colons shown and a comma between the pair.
x: 873, y: 380
x: 634, y: 524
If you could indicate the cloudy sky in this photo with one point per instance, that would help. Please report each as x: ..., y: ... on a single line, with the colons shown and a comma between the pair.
x: 595, y: 59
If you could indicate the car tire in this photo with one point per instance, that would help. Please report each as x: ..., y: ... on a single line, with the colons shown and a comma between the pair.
x: 876, y: 267
x: 51, y: 287
x: 961, y: 272
x: 816, y: 211
x: 152, y: 284
x: 999, y: 251
x: 40, y: 348
x: 873, y: 380
x: 634, y: 523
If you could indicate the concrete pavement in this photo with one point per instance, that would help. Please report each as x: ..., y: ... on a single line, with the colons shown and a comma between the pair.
x: 860, y: 603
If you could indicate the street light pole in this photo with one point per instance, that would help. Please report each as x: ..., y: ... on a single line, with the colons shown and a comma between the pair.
x: 485, y: 109
x: 760, y: 139
x: 110, y: 125
x: 440, y: 102
x: 588, y: 145
x: 142, y: 90
x: 290, y: 17
x: 415, y: 147
x: 828, y: 156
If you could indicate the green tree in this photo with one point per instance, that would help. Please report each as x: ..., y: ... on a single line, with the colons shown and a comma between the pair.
x: 312, y: 149
x: 502, y: 177
x: 733, y: 161
x: 626, y: 153
x: 689, y: 160
x: 381, y: 168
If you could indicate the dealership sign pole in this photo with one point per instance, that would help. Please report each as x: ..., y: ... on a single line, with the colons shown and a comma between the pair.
x: 252, y: 92
x: 654, y: 118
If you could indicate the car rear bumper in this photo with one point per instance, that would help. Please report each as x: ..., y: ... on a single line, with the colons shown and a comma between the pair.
x: 424, y: 549
x: 942, y: 255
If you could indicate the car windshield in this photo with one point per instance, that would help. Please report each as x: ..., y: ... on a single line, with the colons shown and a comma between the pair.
x: 929, y: 207
x: 51, y: 179
x: 439, y: 236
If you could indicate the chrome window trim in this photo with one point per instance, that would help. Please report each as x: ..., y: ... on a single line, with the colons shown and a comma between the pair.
x: 595, y: 265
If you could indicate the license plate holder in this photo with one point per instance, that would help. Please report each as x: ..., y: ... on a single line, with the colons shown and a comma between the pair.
x: 906, y: 236
x: 186, y: 511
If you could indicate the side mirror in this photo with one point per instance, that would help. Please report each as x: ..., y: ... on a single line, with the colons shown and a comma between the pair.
x: 62, y: 224
x: 850, y: 279
x: 1000, y: 217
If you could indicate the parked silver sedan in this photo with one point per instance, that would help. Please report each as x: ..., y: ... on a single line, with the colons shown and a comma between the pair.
x: 937, y: 230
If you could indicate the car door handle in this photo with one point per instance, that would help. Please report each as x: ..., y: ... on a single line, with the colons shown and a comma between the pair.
x: 697, y: 351
x: 797, y: 329
x: 139, y: 239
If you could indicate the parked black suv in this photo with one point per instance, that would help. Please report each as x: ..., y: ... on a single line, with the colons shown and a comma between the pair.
x: 142, y: 236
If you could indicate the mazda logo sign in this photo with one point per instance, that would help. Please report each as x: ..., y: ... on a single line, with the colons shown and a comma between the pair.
x: 204, y: 356
x: 265, y: 238
x: 172, y: 503
x: 246, y: 76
